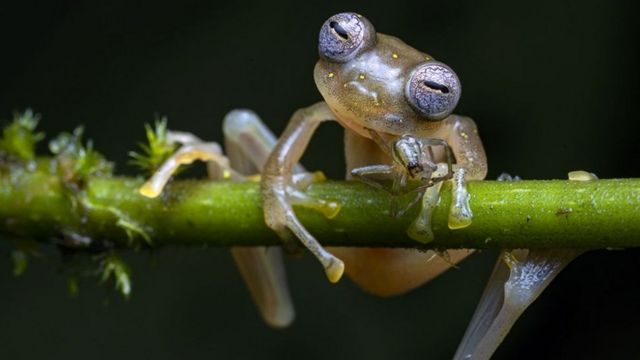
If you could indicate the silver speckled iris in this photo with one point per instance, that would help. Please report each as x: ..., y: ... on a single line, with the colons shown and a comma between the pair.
x: 342, y: 35
x: 433, y: 90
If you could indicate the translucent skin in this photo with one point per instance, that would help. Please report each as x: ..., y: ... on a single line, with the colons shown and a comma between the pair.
x: 368, y: 92
x: 384, y: 93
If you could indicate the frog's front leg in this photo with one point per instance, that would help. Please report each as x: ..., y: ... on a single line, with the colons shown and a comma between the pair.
x: 277, y: 183
x: 471, y: 164
x: 518, y: 278
x: 391, y: 271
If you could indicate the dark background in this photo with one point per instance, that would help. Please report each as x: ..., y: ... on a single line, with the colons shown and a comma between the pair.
x: 552, y: 85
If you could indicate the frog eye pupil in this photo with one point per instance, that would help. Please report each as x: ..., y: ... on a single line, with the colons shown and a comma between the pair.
x: 338, y: 29
x: 435, y: 86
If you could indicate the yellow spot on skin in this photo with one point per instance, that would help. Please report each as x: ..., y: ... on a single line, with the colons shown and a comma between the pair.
x: 427, y: 58
x: 394, y: 55
x: 330, y: 75
x: 361, y: 77
x: 465, y: 136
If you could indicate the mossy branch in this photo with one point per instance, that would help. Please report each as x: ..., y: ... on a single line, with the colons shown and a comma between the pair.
x: 73, y: 201
x: 522, y: 214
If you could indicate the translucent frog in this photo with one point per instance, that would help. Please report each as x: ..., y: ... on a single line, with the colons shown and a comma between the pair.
x: 395, y: 104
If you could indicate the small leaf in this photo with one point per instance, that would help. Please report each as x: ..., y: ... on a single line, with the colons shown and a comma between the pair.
x: 19, y: 138
x: 76, y: 162
x: 157, y: 150
x: 113, y: 266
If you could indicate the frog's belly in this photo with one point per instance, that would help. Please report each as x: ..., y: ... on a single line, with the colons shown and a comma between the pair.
x: 386, y: 271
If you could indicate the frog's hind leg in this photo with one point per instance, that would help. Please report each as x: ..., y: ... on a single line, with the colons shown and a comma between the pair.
x: 518, y: 278
x: 248, y: 143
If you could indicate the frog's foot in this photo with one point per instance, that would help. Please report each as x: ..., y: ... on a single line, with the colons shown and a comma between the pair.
x: 280, y: 192
x: 517, y: 280
x: 460, y: 214
x: 291, y: 228
x: 507, y: 177
x: 298, y: 197
x: 192, y: 149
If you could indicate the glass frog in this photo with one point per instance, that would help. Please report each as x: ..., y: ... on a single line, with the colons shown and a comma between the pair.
x: 395, y: 104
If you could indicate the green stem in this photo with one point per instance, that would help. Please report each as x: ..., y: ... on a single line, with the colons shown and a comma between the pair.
x: 523, y: 214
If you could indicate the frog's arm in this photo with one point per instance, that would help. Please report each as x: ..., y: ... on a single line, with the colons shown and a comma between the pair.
x: 388, y: 272
x: 462, y: 136
x: 278, y: 186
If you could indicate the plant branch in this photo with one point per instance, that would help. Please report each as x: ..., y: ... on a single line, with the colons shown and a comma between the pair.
x: 524, y: 214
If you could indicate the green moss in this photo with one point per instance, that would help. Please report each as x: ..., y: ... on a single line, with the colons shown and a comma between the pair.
x: 112, y: 267
x: 157, y: 149
x: 19, y: 138
x: 76, y: 161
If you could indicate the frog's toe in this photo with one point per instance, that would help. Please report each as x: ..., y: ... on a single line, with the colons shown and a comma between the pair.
x: 460, y: 214
x: 187, y: 154
x: 329, y: 209
x: 507, y: 177
x: 334, y: 270
x: 420, y: 229
x: 581, y: 175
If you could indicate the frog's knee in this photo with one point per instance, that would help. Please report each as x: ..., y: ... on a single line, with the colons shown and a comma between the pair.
x: 239, y: 122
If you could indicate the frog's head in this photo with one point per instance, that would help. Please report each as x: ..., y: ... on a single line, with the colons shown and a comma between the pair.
x: 376, y: 81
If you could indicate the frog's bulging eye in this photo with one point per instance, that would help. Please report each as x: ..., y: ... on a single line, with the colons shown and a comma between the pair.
x: 343, y: 35
x: 433, y: 90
